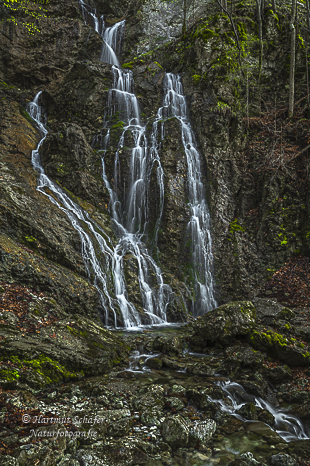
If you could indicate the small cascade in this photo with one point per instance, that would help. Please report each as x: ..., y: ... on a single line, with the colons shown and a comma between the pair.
x: 199, y: 225
x: 90, y: 17
x: 112, y: 37
x: 287, y: 425
x: 79, y: 219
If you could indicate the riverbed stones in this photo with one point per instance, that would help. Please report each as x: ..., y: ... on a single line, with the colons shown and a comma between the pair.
x: 202, y: 430
x: 154, y: 363
x: 223, y: 323
x: 154, y: 397
x: 175, y: 431
x: 282, y: 459
x: 173, y: 346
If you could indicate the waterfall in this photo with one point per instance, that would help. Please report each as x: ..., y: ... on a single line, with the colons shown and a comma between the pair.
x: 130, y: 213
x: 199, y: 224
x: 111, y: 37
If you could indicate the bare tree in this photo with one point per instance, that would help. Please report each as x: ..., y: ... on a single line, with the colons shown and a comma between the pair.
x: 292, y: 61
x: 260, y: 36
x: 184, y: 27
x: 231, y: 22
x: 308, y: 14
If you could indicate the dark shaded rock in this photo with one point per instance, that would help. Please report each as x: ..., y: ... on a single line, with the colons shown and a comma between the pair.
x: 283, y: 459
x: 201, y: 400
x: 269, y: 309
x: 173, y: 346
x: 154, y: 363
x: 278, y: 374
x: 248, y: 411
x: 80, y: 99
x: 265, y: 416
x: 174, y: 403
x: 154, y: 397
x: 173, y: 364
x: 251, y: 412
x: 68, y: 158
x: 223, y: 324
x: 32, y: 60
x: 200, y: 369
x: 175, y: 431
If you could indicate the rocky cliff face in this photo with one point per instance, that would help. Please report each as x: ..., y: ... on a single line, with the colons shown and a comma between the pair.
x: 259, y: 203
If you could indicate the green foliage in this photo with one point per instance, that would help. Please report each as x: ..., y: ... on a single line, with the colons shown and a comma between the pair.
x: 196, y: 79
x: 204, y: 33
x: 16, y: 8
x: 30, y: 239
x: 120, y: 124
x: 301, y: 42
x: 61, y: 169
x: 26, y: 115
x: 235, y: 226
x: 128, y: 65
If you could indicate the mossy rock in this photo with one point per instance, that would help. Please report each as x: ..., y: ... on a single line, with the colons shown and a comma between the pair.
x: 59, y: 352
x: 224, y: 323
x: 287, y: 350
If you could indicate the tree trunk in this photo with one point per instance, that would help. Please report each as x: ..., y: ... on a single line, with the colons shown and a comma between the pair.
x: 224, y: 4
x: 292, y: 62
x: 274, y: 6
x: 232, y: 25
x: 184, y: 28
x: 308, y: 14
x: 307, y: 77
x: 260, y: 36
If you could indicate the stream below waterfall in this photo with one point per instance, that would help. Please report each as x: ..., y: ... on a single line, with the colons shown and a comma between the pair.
x: 180, y: 366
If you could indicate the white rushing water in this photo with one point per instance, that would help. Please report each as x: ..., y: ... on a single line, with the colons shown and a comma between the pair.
x: 130, y: 213
x: 199, y: 224
x: 287, y: 425
x: 79, y: 219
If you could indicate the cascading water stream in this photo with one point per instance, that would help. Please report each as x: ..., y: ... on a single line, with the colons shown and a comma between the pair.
x: 287, y: 425
x: 77, y: 216
x: 130, y: 214
x: 111, y: 36
x: 199, y: 224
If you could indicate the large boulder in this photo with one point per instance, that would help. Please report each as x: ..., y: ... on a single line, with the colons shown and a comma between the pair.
x: 40, y: 352
x: 223, y: 324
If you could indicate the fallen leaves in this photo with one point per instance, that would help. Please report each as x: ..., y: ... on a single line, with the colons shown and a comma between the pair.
x: 291, y: 284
